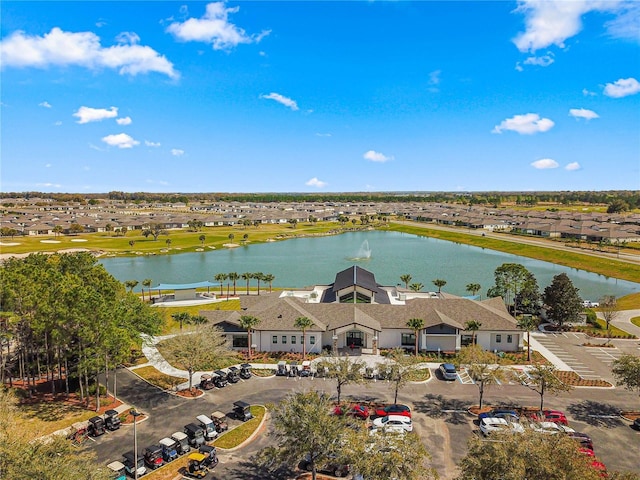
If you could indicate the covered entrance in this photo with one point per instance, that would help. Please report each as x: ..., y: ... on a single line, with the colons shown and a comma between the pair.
x: 355, y: 338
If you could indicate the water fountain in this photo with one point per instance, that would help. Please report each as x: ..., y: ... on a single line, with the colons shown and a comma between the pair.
x: 364, y: 253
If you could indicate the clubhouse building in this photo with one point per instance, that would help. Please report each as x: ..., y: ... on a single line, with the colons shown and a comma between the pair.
x: 355, y: 312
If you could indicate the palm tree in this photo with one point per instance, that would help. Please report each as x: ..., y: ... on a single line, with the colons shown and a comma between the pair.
x: 202, y: 238
x: 472, y: 326
x: 269, y: 278
x: 406, y: 278
x: 258, y: 276
x: 526, y: 322
x: 168, y: 242
x: 247, y: 276
x: 473, y: 288
x: 303, y: 323
x: 248, y: 322
x: 438, y: 282
x: 57, y: 230
x: 233, y: 276
x: 146, y: 283
x: 181, y: 317
x: 132, y: 243
x: 416, y: 324
x: 416, y: 287
x: 245, y: 237
x: 231, y: 237
x: 131, y: 284
x: 220, y: 278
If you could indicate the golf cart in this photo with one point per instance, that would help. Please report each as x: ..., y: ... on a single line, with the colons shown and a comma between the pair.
x: 294, y: 369
x: 96, y: 426
x: 153, y: 457
x: 368, y: 373
x: 169, y: 449
x: 206, y: 382
x: 233, y: 375
x: 195, y: 467
x: 129, y: 461
x: 116, y: 469
x: 182, y: 442
x: 211, y: 455
x: 242, y: 411
x: 208, y: 427
x: 281, y: 369
x: 112, y: 420
x: 220, y: 421
x: 195, y: 433
x: 306, y: 369
x: 245, y: 371
x: 321, y: 371
x: 220, y: 379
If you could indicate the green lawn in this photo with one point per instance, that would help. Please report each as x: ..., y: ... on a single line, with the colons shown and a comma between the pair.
x: 236, y: 436
x: 636, y: 321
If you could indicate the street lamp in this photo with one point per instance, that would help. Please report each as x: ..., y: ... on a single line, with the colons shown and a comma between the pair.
x: 135, y: 415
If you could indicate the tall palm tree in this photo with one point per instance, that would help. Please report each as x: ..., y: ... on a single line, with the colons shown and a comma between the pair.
x: 146, y: 283
x: 416, y: 287
x: 438, y: 282
x: 231, y: 237
x: 182, y: 318
x: 406, y: 278
x: 249, y: 322
x: 259, y: 276
x: 247, y: 276
x: 202, y: 239
x: 473, y: 288
x: 416, y: 324
x: 220, y: 278
x: 269, y: 278
x: 168, y: 242
x: 233, y: 276
x: 303, y: 323
x: 472, y: 326
x: 526, y: 322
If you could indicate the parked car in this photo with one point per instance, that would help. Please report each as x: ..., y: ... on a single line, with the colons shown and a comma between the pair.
x: 242, y: 410
x: 582, y: 438
x: 153, y: 457
x: 219, y: 379
x: 211, y: 456
x: 448, y: 371
x: 117, y: 471
x: 555, y: 416
x: 245, y: 371
x: 590, y: 304
x: 356, y: 410
x: 233, y: 376
x: 394, y: 409
x: 220, y: 421
x: 393, y: 420
x: 550, y: 428
x: 195, y: 433
x: 182, y: 442
x: 96, y: 426
x: 489, y: 425
x: 129, y: 461
x: 112, y: 421
x: 281, y: 369
x: 331, y: 466
x: 208, y: 427
x: 169, y: 449
x: 508, y: 415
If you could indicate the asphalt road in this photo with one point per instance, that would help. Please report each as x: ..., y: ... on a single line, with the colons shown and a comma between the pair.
x: 439, y: 417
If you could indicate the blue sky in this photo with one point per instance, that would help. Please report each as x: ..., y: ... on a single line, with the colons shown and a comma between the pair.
x: 297, y: 96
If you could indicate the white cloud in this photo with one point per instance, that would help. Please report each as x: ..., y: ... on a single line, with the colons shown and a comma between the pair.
x: 622, y: 88
x: 519, y: 67
x: 124, y: 121
x: 323, y: 134
x: 627, y: 24
x: 374, y: 156
x: 587, y: 93
x: 543, y: 61
x: 545, y: 163
x: 214, y: 28
x: 176, y: 152
x: 159, y: 182
x: 88, y: 114
x: 314, y: 182
x: 121, y: 140
x: 434, y: 80
x: 44, y: 104
x: 583, y: 113
x: 287, y: 102
x: 551, y: 22
x: 55, y: 185
x: 48, y: 165
x: 60, y: 48
x: 128, y: 38
x: 572, y: 166
x: 526, y: 124
x: 58, y: 123
x: 151, y: 144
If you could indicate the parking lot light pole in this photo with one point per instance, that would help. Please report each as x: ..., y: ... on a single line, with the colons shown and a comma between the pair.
x: 135, y: 414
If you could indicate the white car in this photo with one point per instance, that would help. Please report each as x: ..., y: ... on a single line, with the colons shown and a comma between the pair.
x: 393, y: 423
x: 550, y: 428
x: 590, y: 304
x: 489, y: 425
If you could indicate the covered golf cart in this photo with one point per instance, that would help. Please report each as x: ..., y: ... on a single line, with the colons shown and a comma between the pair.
x: 211, y: 455
x: 234, y: 375
x: 305, y: 371
x: 294, y: 370
x: 182, y: 442
x: 112, y: 420
x: 96, y: 426
x: 129, y: 462
x: 219, y: 378
x: 117, y: 471
x: 208, y: 427
x: 242, y: 410
x: 206, y: 382
x: 245, y: 371
x: 195, y: 433
x: 169, y: 449
x: 195, y: 467
x: 220, y: 421
x: 281, y: 369
x: 153, y: 457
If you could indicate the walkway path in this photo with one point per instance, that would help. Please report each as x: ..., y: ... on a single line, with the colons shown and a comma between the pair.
x: 623, y: 321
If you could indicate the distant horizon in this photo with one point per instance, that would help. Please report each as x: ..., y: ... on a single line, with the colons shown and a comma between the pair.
x: 320, y: 97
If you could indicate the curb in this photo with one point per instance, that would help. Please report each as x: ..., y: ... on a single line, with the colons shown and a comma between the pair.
x: 251, y: 437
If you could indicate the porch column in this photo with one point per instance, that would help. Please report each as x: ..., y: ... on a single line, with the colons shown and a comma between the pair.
x: 374, y: 344
x: 335, y: 343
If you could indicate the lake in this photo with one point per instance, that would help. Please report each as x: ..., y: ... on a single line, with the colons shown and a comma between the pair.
x: 309, y: 261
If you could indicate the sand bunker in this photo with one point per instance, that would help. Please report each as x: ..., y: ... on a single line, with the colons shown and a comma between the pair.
x: 231, y: 245
x: 49, y: 241
x: 8, y: 244
x: 78, y: 240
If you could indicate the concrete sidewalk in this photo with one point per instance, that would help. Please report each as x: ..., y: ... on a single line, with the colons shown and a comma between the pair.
x: 623, y: 321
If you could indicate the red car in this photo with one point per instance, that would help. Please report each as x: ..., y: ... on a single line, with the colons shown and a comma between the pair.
x: 395, y: 409
x: 555, y: 416
x: 359, y: 411
x: 600, y: 467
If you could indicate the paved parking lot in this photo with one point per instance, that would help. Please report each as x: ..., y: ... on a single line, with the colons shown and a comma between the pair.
x: 440, y: 417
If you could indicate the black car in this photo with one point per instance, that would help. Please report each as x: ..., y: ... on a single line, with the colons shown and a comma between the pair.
x: 112, y: 420
x: 96, y: 426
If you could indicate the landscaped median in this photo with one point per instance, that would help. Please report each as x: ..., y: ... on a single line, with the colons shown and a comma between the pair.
x: 229, y: 440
